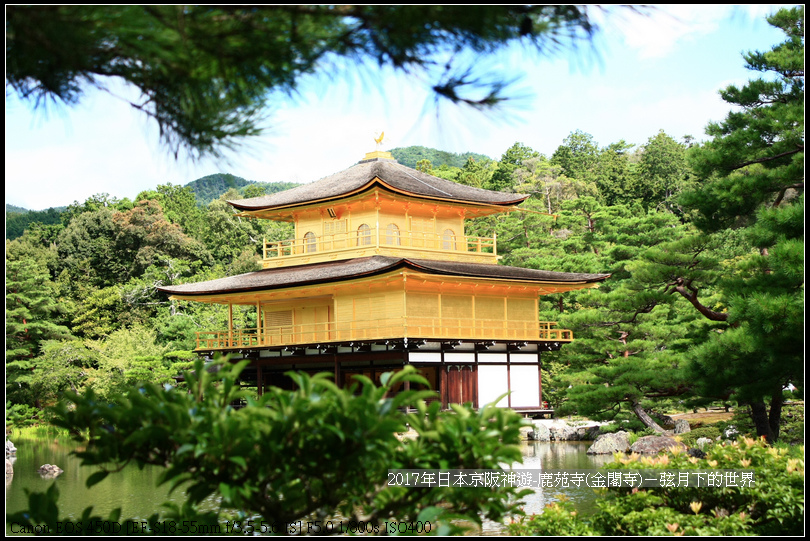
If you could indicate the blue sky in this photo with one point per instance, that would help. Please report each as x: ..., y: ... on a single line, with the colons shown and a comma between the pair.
x: 645, y: 73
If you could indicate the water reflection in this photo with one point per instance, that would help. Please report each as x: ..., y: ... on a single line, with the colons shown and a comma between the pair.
x: 560, y: 456
x: 134, y: 490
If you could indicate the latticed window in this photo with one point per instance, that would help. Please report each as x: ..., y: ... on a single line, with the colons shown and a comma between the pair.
x: 364, y: 235
x: 448, y: 240
x: 392, y: 234
x: 310, y: 243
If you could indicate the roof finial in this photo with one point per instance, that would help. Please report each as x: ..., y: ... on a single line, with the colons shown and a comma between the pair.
x: 378, y: 154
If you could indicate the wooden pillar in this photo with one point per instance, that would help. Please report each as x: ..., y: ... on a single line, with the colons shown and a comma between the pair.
x: 443, y: 381
x: 259, y: 330
x: 508, y: 379
x: 540, y: 375
x: 230, y: 324
x: 259, y: 379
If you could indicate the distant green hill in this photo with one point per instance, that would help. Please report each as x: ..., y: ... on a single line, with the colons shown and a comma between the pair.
x: 409, y: 156
x: 12, y: 208
x: 18, y: 219
x: 210, y: 187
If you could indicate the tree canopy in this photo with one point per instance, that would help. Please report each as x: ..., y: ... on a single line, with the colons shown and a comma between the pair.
x: 751, y: 177
x: 206, y: 73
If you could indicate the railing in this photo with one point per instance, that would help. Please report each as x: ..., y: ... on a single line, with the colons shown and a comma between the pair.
x: 373, y: 238
x: 449, y: 328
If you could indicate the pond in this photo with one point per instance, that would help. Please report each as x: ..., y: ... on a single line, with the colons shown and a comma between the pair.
x: 134, y: 490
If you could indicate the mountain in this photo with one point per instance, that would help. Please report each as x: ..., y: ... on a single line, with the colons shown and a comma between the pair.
x: 409, y: 156
x: 18, y: 219
x: 210, y: 187
x: 12, y: 209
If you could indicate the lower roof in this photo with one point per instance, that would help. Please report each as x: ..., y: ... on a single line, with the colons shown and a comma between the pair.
x: 337, y: 271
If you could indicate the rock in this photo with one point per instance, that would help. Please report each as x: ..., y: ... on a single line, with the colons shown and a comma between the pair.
x: 607, y: 444
x: 654, y: 445
x: 564, y: 433
x: 410, y: 434
x: 703, y: 442
x: 730, y: 433
x: 697, y: 453
x: 540, y: 433
x: 10, y: 449
x: 49, y: 470
x: 526, y: 432
x: 9, y: 468
x: 682, y: 426
x: 589, y: 433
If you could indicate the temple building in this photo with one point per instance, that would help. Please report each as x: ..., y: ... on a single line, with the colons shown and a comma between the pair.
x: 380, y: 274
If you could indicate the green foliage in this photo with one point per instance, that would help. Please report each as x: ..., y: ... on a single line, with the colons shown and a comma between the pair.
x: 502, y: 179
x: 21, y: 415
x: 773, y: 505
x: 290, y: 455
x: 751, y: 176
x: 412, y: 155
x: 691, y: 437
x: 662, y: 171
x: 126, y: 357
x: 577, y: 156
x: 211, y: 187
x: 33, y: 315
x: 206, y: 74
x: 63, y: 365
x: 18, y: 222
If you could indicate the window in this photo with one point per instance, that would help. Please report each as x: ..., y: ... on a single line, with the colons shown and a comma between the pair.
x: 309, y: 243
x: 364, y: 235
x: 448, y: 240
x: 392, y: 234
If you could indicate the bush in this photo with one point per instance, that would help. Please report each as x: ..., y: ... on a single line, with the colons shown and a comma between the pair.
x: 774, y: 505
x: 308, y: 454
x: 690, y: 438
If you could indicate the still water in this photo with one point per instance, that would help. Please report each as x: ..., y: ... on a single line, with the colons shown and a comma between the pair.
x: 135, y: 492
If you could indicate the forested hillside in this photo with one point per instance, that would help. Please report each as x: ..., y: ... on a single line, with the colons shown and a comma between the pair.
x: 704, y: 242
x: 210, y: 187
x: 411, y: 156
x: 19, y: 219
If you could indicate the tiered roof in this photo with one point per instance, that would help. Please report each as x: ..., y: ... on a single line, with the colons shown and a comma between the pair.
x: 338, y: 271
x: 378, y: 172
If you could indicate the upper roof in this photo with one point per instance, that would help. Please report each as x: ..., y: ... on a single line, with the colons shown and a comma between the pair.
x: 335, y: 271
x: 385, y: 172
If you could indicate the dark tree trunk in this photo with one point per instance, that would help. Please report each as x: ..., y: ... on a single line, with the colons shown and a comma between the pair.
x: 759, y: 414
x: 775, y: 415
x: 646, y: 419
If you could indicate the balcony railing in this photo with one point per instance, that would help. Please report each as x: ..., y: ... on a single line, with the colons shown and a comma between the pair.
x: 391, y: 241
x: 422, y: 327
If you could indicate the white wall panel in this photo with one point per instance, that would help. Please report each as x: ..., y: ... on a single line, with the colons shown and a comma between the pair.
x: 525, y: 386
x: 492, y: 382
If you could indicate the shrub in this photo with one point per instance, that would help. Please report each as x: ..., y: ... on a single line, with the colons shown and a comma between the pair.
x: 318, y: 451
x: 774, y: 505
x: 690, y: 438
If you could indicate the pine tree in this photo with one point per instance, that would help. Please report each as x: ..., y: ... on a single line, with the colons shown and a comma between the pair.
x: 33, y: 315
x: 752, y: 176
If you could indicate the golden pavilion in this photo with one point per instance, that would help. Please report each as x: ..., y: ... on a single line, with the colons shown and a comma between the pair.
x: 380, y: 274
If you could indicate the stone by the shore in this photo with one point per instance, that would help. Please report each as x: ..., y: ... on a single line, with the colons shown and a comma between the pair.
x: 50, y: 470
x: 607, y: 444
x: 649, y: 445
x: 540, y: 433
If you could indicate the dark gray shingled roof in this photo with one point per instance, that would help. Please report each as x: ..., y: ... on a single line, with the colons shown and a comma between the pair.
x: 336, y: 271
x: 390, y: 172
